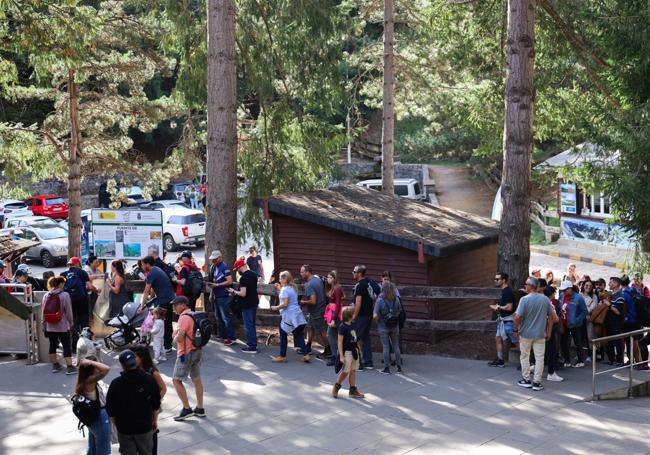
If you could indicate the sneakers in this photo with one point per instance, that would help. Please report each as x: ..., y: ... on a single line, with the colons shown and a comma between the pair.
x: 554, y: 378
x: 399, y: 369
x: 199, y: 412
x: 354, y: 393
x: 567, y: 365
x: 588, y: 359
x: 249, y: 350
x: 385, y: 371
x: 56, y: 367
x: 537, y: 386
x: 228, y: 342
x: 169, y: 351
x: 525, y: 383
x: 579, y: 365
x: 497, y: 363
x: 279, y: 359
x: 306, y: 358
x: 368, y: 366
x: 184, y: 414
x: 335, y: 390
x: 70, y: 370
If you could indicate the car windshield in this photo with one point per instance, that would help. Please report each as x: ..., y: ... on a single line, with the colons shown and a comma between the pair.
x: 54, y: 201
x: 16, y: 205
x: 187, y: 219
x: 402, y: 190
x: 48, y: 232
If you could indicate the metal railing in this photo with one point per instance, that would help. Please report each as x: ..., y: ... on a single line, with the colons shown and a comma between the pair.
x: 629, y: 367
x: 25, y: 295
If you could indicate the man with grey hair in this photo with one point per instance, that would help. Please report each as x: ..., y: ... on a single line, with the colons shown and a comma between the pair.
x: 533, y: 325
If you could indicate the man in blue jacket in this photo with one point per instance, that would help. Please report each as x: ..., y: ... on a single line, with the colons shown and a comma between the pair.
x: 631, y: 322
x: 573, y: 311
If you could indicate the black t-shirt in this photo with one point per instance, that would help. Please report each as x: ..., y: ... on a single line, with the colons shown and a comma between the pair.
x: 248, y: 280
x: 507, y: 296
x: 131, y: 400
x: 349, y: 337
x: 364, y: 289
x: 254, y: 264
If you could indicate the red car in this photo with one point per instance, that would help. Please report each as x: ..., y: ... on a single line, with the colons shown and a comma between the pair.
x: 48, y: 205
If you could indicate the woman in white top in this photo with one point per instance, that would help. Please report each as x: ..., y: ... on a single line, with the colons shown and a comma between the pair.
x: 99, y: 432
x: 293, y: 320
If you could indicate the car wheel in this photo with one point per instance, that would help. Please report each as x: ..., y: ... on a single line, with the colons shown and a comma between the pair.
x: 168, y: 243
x: 47, y: 259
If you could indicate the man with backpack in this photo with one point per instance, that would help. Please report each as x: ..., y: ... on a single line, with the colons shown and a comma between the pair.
x: 77, y: 285
x: 188, y: 360
x: 365, y: 295
x: 158, y: 281
x: 190, y: 280
x: 133, y: 404
x: 316, y: 301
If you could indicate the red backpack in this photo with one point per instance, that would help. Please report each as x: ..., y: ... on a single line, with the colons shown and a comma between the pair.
x: 52, y: 309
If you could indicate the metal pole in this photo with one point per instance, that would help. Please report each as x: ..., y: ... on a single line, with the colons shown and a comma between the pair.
x: 593, y: 371
x: 631, y: 360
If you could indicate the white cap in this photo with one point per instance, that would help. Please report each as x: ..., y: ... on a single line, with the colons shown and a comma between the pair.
x: 566, y: 284
x: 215, y: 254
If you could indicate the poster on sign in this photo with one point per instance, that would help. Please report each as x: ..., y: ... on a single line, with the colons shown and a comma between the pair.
x: 568, y: 198
x: 126, y: 234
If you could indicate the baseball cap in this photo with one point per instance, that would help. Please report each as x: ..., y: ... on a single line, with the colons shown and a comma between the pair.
x: 566, y: 284
x: 239, y: 263
x: 74, y: 261
x: 127, y: 358
x: 181, y: 300
x: 25, y: 268
x: 186, y: 254
x: 21, y: 273
x: 215, y: 254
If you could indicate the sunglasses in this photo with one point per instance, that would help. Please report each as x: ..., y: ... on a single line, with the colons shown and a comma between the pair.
x: 498, y: 279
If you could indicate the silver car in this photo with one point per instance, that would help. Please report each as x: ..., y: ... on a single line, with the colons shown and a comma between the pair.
x: 54, y: 243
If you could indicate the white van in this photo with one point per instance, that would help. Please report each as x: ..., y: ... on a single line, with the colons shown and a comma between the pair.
x: 408, y: 188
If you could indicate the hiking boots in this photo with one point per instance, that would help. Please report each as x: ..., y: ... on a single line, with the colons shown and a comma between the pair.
x: 279, y: 359
x: 335, y: 390
x: 354, y: 393
x: 497, y: 363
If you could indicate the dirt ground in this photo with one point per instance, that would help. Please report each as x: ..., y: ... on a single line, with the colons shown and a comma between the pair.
x: 457, y: 189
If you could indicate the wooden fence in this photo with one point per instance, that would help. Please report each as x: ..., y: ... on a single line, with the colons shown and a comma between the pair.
x: 270, y: 318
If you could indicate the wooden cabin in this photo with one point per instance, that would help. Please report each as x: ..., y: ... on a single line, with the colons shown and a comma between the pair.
x: 421, y: 245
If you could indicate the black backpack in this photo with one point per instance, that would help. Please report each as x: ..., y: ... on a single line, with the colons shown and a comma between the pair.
x: 86, y: 410
x: 391, y: 316
x: 194, y: 284
x: 73, y: 285
x: 202, y: 329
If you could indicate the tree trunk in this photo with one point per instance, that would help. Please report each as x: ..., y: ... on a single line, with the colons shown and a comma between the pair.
x: 514, y: 235
x: 74, y: 171
x: 388, y: 130
x: 221, y: 232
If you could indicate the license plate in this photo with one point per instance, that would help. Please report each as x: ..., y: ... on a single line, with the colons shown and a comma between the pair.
x: 58, y: 209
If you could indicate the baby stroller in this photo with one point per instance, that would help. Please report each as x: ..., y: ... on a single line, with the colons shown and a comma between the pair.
x: 126, y: 323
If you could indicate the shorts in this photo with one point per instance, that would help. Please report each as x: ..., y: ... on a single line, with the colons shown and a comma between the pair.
x: 351, y: 364
x: 191, y: 366
x: 317, y: 323
x: 505, y: 330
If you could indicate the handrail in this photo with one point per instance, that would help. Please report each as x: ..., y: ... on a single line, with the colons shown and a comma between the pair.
x: 629, y: 367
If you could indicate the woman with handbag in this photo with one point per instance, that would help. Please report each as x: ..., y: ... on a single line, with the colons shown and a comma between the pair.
x: 99, y: 432
x: 293, y: 320
x: 333, y: 312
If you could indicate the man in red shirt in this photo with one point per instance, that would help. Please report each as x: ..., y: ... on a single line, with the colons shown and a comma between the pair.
x: 188, y: 360
x: 187, y: 266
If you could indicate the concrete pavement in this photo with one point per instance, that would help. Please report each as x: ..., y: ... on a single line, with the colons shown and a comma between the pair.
x: 440, y: 405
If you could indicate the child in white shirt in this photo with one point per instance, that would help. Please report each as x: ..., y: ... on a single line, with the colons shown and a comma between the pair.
x: 158, y: 333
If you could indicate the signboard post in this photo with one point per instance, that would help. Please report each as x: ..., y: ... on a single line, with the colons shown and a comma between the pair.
x: 126, y: 234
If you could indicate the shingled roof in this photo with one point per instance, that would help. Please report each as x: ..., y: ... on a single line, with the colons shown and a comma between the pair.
x: 389, y: 219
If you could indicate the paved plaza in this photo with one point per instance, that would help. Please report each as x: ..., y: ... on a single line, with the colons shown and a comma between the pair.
x: 440, y: 405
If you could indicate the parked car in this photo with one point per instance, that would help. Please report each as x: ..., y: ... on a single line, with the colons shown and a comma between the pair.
x: 13, y: 208
x: 408, y: 188
x: 182, y: 226
x: 135, y: 194
x: 54, y: 243
x: 48, y: 205
x: 30, y: 220
x: 165, y: 204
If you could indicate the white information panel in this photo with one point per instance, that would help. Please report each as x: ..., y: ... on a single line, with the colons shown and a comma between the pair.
x: 126, y: 234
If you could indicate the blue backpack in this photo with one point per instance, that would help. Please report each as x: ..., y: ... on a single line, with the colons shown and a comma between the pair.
x: 73, y: 284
